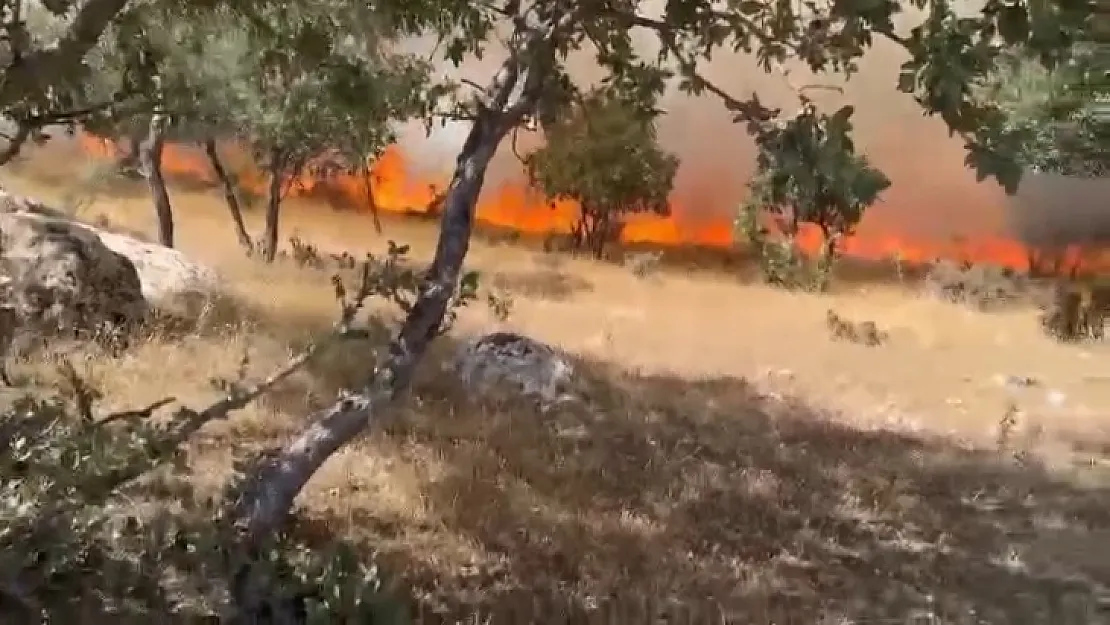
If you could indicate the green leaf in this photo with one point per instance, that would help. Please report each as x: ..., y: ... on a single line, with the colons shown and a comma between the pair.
x: 1013, y: 24
x: 907, y: 79
x: 750, y: 7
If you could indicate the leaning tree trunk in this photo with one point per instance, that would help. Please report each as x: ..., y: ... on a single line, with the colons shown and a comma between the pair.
x: 273, y: 207
x: 230, y: 196
x: 270, y: 491
x: 265, y: 496
x: 150, y: 151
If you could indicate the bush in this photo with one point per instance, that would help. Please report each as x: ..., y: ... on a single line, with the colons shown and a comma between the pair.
x: 981, y: 286
x: 603, y: 154
x: 94, y: 519
x: 807, y: 172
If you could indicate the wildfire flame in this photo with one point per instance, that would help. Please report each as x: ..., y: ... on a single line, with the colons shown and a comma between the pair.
x: 515, y: 206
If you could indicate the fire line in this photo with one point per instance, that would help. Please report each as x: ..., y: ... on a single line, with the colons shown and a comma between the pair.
x: 517, y: 207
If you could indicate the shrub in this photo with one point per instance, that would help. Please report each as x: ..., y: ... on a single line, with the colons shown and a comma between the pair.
x: 981, y: 286
x: 94, y: 520
x: 604, y: 155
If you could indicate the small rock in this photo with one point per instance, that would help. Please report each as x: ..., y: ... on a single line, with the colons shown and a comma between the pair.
x: 530, y: 367
x: 1015, y: 381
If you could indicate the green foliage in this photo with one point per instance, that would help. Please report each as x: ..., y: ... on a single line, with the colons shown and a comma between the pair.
x: 1058, y: 114
x: 604, y: 155
x: 952, y: 54
x: 807, y: 172
x: 813, y: 173
x: 781, y: 261
x: 299, y: 79
x: 314, y: 90
x: 87, y: 528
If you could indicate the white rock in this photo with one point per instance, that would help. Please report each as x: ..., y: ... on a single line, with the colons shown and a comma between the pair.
x: 59, y: 275
x: 165, y: 273
x: 529, y: 367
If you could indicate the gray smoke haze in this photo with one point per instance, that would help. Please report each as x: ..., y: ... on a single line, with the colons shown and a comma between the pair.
x: 933, y: 194
x: 1051, y: 211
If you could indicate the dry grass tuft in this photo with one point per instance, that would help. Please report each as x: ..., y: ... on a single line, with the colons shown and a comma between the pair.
x: 694, y: 478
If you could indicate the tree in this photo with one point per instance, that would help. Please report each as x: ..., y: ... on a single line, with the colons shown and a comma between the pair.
x: 603, y: 154
x: 807, y: 172
x: 323, y: 95
x: 1060, y: 114
x: 310, y: 88
x: 948, y: 54
x: 51, y: 69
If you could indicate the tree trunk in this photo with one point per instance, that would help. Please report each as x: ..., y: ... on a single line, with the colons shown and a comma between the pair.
x: 579, y: 230
x: 273, y: 206
x: 230, y: 196
x: 265, y: 495
x: 371, y: 202
x: 151, y: 154
x: 599, y: 236
x: 270, y: 489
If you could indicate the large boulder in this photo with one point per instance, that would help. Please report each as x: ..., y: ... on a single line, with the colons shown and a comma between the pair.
x: 168, y: 277
x: 59, y: 276
x: 511, y: 362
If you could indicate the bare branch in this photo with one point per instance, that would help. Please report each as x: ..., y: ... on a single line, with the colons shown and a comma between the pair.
x: 513, y: 146
x: 27, y: 127
x: 800, y: 90
x: 471, y: 83
x: 137, y: 414
x: 751, y: 110
x: 83, y: 394
x: 368, y: 177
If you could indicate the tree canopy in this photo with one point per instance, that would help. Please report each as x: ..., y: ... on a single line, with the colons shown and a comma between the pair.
x: 605, y: 156
x: 1061, y: 113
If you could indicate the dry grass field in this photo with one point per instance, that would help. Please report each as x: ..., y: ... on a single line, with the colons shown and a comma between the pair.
x: 735, y: 466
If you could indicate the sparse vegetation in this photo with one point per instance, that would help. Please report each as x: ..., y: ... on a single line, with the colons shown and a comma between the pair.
x: 1076, y: 311
x: 86, y: 530
x: 982, y: 286
x: 644, y: 264
x: 861, y: 332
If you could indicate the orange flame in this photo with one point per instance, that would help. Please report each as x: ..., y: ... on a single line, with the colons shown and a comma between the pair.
x: 517, y: 207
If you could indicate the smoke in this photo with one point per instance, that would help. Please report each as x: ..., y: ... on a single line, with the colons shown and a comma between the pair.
x: 1052, y: 211
x: 934, y: 195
